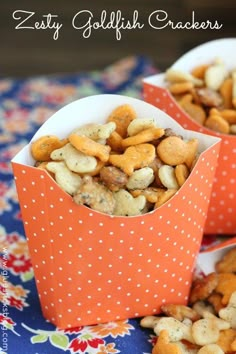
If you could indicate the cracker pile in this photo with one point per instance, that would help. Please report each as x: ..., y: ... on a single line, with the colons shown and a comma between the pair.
x: 208, y: 324
x: 124, y: 167
x: 207, y: 95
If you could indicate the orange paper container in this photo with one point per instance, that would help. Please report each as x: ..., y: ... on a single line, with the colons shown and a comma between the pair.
x: 91, y: 267
x: 222, y: 210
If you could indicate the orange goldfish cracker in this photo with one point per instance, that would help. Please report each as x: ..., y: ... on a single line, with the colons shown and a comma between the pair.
x: 199, y: 71
x: 95, y: 195
x: 180, y: 312
x: 150, y: 193
x: 226, y: 91
x: 134, y: 157
x: 172, y: 150
x: 215, y: 299
x: 228, y: 114
x: 217, y: 123
x: 227, y: 264
x: 210, y: 349
x: 181, y: 87
x: 194, y: 110
x: 164, y: 197
x: 90, y: 147
x: 192, y: 149
x: 234, y: 89
x: 226, y: 339
x: 145, y: 136
x: 122, y: 116
x: 202, y: 288
x: 164, y: 346
x: 226, y: 286
x: 115, y: 142
x: 113, y: 177
x: 181, y: 174
x: 41, y: 148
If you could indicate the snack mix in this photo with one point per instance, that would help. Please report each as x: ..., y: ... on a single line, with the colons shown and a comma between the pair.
x: 208, y: 324
x: 125, y: 167
x: 207, y: 95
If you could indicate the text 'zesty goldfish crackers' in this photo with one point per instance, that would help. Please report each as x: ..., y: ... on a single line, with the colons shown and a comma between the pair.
x: 92, y: 267
x: 222, y: 209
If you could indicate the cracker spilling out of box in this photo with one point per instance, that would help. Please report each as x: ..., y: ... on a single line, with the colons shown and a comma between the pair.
x: 91, y: 267
x: 221, y: 214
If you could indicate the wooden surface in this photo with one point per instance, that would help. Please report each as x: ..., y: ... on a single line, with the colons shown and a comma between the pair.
x: 26, y: 52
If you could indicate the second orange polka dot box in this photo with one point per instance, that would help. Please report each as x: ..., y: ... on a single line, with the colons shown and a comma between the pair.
x: 97, y: 265
x: 199, y: 92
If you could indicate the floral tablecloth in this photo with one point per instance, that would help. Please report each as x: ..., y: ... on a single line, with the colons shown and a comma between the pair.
x: 24, y: 105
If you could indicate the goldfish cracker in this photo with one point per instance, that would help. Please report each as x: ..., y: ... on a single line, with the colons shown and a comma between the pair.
x: 194, y: 110
x: 180, y: 312
x: 90, y: 147
x: 215, y: 75
x: 217, y: 123
x: 122, y: 116
x: 226, y: 91
x: 96, y: 132
x: 150, y: 193
x: 75, y: 160
x: 199, y: 71
x: 134, y: 157
x: 181, y: 87
x: 164, y: 196
x: 172, y: 150
x: 210, y: 349
x: 140, y: 179
x: 167, y: 177
x: 176, y: 76
x: 164, y: 346
x: 115, y: 142
x: 228, y: 313
x: 192, y: 149
x: 42, y: 147
x: 145, y: 136
x: 227, y: 263
x: 66, y: 179
x: 181, y: 174
x: 127, y: 205
x: 226, y: 339
x: 234, y: 89
x: 137, y: 125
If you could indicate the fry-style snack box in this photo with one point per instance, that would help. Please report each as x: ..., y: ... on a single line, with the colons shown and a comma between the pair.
x: 222, y: 209
x: 92, y: 267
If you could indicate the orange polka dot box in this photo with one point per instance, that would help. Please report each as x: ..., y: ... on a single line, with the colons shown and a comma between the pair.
x: 199, y: 92
x: 94, y: 265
